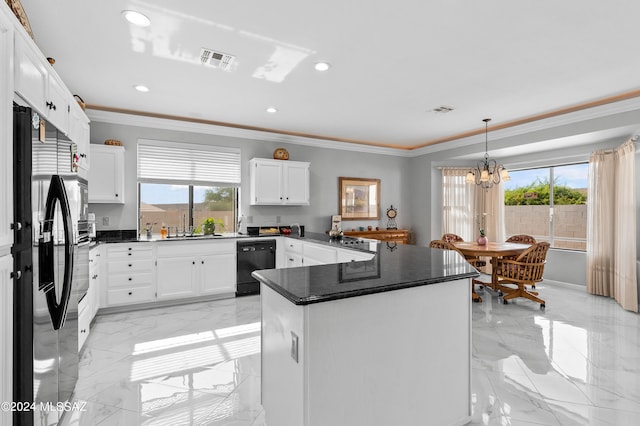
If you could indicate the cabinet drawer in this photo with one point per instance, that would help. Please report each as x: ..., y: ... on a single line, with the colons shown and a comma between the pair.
x: 144, y: 265
x: 293, y: 246
x: 130, y: 280
x: 129, y: 252
x: 125, y: 296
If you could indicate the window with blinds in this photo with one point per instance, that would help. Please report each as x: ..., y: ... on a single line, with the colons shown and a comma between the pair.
x: 162, y: 161
x: 180, y: 186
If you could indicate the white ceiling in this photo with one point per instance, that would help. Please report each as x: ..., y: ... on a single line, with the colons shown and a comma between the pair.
x: 392, y: 62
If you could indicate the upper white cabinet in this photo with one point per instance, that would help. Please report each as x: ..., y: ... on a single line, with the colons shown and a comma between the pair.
x: 79, y: 134
x: 6, y: 138
x: 38, y: 84
x: 278, y: 182
x: 106, y: 176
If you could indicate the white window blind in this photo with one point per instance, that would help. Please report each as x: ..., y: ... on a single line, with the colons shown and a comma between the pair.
x: 162, y: 161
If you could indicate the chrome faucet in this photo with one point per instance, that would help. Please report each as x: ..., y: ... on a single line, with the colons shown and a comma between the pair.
x: 297, y: 225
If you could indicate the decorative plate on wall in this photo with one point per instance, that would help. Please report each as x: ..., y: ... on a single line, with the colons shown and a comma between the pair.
x: 281, y: 154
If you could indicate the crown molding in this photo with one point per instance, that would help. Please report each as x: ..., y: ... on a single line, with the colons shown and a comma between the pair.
x: 611, y: 106
x: 125, y: 119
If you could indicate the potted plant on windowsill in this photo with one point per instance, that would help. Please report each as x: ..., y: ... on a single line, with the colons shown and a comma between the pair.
x: 209, y: 225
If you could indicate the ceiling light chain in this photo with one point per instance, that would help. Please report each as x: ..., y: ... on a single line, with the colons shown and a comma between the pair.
x: 487, y: 172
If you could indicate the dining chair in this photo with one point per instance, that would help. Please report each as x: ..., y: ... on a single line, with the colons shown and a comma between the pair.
x: 444, y: 245
x: 451, y: 238
x: 526, y: 269
x: 474, y: 260
x: 520, y: 239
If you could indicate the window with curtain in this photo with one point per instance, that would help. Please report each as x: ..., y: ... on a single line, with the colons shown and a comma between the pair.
x: 181, y: 185
x: 460, y: 204
x: 550, y: 204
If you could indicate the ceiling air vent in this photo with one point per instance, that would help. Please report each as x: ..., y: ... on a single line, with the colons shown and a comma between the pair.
x: 443, y: 109
x: 216, y: 59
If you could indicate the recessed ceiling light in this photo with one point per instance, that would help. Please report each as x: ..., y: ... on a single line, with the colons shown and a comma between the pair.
x: 322, y: 66
x: 136, y: 18
x: 141, y: 88
x: 272, y: 110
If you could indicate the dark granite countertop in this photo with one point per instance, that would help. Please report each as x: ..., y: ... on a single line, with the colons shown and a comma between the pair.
x: 392, y: 268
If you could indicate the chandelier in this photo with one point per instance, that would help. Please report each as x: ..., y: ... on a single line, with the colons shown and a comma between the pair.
x: 487, y: 172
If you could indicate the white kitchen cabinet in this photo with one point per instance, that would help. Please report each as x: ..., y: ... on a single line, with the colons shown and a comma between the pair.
x: 195, y: 268
x: 84, y: 320
x: 95, y: 278
x: 176, y: 277
x: 6, y: 333
x: 130, y: 272
x: 6, y: 137
x: 6, y: 216
x: 278, y: 182
x: 106, y: 175
x: 318, y: 254
x: 346, y: 255
x: 37, y: 83
x: 217, y: 273
x: 79, y: 134
x: 293, y: 252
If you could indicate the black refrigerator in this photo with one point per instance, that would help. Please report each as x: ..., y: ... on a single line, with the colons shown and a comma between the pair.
x: 50, y: 244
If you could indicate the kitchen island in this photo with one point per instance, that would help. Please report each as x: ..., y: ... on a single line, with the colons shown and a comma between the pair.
x: 379, y: 342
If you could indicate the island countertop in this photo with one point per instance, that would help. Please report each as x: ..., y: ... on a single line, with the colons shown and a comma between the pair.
x: 392, y: 268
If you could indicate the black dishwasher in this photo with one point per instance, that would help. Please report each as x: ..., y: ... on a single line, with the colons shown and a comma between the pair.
x: 252, y: 256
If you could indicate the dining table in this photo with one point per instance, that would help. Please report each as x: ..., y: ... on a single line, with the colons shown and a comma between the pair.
x: 493, y: 250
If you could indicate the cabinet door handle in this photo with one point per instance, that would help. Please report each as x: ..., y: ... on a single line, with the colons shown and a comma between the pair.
x: 130, y: 293
x: 130, y: 279
x: 129, y: 265
x: 203, y: 262
x: 116, y: 195
x: 194, y: 262
x: 129, y: 254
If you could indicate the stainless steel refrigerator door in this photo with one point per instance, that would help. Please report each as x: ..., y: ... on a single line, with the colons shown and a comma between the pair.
x: 55, y: 345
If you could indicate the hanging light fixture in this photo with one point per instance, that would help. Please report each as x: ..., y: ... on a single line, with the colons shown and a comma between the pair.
x: 487, y: 172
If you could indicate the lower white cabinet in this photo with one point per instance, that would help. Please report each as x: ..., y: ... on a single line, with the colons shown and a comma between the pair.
x: 217, y: 273
x: 195, y: 268
x: 306, y: 253
x: 6, y: 333
x: 176, y: 277
x: 130, y: 268
x: 318, y: 254
x: 84, y: 320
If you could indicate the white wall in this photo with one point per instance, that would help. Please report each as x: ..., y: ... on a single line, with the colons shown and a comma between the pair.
x: 326, y: 166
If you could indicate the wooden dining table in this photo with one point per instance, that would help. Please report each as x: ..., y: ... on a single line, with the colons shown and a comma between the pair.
x: 493, y: 250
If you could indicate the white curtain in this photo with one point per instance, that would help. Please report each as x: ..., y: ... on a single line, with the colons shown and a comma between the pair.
x: 494, y: 209
x: 611, y: 253
x: 461, y: 204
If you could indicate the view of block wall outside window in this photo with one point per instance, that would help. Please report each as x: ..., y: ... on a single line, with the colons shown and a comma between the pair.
x: 168, y: 205
x: 528, y: 205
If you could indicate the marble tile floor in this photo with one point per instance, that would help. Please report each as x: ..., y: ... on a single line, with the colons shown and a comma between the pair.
x: 576, y: 363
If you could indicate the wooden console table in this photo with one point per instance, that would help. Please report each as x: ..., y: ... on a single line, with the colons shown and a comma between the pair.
x: 400, y: 236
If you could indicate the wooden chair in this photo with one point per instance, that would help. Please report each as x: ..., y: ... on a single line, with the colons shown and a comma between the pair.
x: 474, y: 260
x: 520, y: 239
x: 444, y: 245
x: 451, y: 238
x: 526, y: 269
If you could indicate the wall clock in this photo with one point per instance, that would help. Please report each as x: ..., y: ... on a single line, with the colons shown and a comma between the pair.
x: 392, y: 212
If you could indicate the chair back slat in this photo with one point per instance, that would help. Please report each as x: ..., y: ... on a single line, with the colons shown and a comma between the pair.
x: 452, y: 238
x: 522, y: 239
